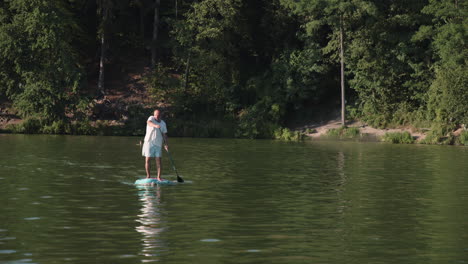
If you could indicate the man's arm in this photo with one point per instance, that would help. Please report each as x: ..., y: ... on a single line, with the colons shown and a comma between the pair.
x: 151, y: 124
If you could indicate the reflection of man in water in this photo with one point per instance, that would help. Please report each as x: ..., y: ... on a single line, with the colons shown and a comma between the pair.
x: 150, y: 220
x: 156, y: 135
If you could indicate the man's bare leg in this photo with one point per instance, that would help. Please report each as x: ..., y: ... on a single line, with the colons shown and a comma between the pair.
x: 147, y: 167
x: 159, y: 166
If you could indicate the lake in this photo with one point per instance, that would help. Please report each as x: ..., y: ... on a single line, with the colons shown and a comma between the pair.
x: 71, y: 199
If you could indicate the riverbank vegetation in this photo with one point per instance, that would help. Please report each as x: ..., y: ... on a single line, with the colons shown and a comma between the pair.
x: 233, y: 68
x: 398, y: 138
x: 344, y: 133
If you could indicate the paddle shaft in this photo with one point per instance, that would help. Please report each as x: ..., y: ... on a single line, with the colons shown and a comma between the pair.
x: 179, y: 179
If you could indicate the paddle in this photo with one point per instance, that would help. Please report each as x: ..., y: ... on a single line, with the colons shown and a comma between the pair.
x: 179, y: 179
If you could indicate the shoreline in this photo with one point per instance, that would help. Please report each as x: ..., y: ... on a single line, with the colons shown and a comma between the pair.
x: 329, y: 129
x: 322, y: 129
x: 362, y: 133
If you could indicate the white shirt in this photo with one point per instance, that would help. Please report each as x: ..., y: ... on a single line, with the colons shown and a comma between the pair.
x: 153, y: 135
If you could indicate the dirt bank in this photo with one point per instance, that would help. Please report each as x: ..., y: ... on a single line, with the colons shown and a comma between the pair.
x: 321, y: 128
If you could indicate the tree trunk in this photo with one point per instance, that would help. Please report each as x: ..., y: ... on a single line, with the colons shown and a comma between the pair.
x: 142, y: 21
x: 342, y: 74
x: 101, y: 66
x: 105, y: 9
x: 187, y: 70
x: 155, y: 34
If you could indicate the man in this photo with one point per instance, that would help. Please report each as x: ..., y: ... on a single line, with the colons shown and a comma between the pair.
x: 156, y: 135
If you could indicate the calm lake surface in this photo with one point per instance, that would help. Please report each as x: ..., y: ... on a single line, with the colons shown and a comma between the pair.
x: 71, y: 199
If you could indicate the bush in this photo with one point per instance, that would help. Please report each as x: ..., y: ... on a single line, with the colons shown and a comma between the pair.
x: 260, y: 120
x: 104, y: 128
x: 288, y: 135
x: 200, y: 128
x: 310, y: 131
x: 463, y: 138
x: 440, y: 134
x: 344, y: 133
x: 431, y: 138
x: 398, y: 137
x: 83, y: 128
x: 57, y: 127
x: 137, y: 116
x: 28, y: 126
x: 448, y: 95
x: 14, y: 128
x: 351, y: 132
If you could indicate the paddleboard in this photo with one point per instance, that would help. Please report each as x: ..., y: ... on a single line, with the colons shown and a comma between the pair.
x: 153, y: 181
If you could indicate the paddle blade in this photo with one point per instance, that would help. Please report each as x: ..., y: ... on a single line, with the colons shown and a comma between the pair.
x: 179, y: 179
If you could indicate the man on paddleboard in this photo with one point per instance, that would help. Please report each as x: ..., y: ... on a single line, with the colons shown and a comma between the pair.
x: 156, y: 136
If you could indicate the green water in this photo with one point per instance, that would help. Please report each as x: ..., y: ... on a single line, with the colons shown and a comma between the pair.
x: 71, y: 199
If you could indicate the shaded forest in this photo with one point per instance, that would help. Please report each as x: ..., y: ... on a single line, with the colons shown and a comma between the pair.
x: 240, y: 68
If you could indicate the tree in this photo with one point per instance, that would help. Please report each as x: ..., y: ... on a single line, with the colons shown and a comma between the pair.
x: 144, y: 7
x: 155, y: 33
x: 448, y: 93
x: 44, y: 77
x: 333, y: 18
x: 105, y: 11
x: 205, y: 38
x: 390, y: 70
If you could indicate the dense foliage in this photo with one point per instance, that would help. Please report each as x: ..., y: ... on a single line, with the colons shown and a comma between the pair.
x: 245, y: 68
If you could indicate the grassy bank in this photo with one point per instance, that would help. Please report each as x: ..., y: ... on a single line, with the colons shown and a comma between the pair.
x: 210, y: 127
x: 432, y: 137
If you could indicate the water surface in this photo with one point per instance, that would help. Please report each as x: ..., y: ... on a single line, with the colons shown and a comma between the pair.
x: 71, y: 199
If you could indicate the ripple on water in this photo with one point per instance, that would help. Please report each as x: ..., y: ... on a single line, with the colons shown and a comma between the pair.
x: 21, y: 261
x: 7, y: 251
x: 7, y: 238
x: 149, y: 260
x: 210, y: 240
x: 32, y: 218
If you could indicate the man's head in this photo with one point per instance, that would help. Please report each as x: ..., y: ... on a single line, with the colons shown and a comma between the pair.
x: 157, y: 114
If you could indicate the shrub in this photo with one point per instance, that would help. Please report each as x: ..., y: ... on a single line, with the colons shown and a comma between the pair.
x: 351, y: 132
x: 310, y: 131
x: 398, y: 137
x: 431, y: 138
x: 344, y: 133
x: 288, y: 135
x: 137, y: 116
x: 104, y: 128
x: 448, y: 95
x: 202, y: 128
x: 440, y: 134
x: 57, y: 127
x: 14, y: 128
x: 260, y: 120
x: 83, y: 128
x: 28, y: 126
x: 463, y: 139
x: 334, y: 132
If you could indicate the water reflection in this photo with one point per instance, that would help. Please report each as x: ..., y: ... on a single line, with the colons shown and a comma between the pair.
x: 151, y: 227
x: 315, y: 202
x: 341, y: 182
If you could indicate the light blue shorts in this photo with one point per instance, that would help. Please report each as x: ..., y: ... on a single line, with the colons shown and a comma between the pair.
x: 151, y: 150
